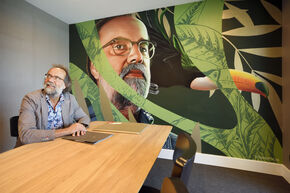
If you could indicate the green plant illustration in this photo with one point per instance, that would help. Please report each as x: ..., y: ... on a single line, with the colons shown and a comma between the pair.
x: 197, y: 35
x: 201, y: 38
x: 91, y: 43
x: 91, y: 92
x: 250, y: 29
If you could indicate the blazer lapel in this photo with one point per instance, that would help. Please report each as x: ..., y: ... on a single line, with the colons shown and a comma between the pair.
x: 44, y: 111
x: 65, y: 112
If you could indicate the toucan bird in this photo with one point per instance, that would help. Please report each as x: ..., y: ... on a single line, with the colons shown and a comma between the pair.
x: 244, y: 81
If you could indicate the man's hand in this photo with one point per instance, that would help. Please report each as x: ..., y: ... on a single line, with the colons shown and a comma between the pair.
x: 75, y: 129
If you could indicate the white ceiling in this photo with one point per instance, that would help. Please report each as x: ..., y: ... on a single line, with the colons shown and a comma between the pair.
x: 75, y: 11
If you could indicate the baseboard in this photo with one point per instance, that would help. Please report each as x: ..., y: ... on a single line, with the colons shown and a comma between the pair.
x: 166, y: 154
x: 236, y: 163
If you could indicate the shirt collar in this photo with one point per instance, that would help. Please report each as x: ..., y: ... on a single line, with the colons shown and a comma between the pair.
x: 61, y: 99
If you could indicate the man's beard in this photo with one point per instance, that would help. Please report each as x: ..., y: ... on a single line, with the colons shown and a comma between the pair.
x: 140, y: 85
x: 53, y: 91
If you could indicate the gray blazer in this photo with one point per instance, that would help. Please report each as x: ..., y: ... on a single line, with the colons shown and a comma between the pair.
x: 33, y: 116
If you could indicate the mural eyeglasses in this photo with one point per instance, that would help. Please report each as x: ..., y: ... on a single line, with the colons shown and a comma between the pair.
x: 123, y: 47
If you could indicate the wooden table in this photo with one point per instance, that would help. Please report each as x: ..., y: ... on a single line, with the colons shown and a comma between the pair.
x: 117, y: 164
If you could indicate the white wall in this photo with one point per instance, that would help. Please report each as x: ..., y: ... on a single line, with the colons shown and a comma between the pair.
x: 30, y: 41
x: 286, y: 82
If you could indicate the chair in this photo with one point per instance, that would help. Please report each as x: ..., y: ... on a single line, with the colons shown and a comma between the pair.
x: 173, y: 185
x: 169, y: 185
x: 183, y: 158
x: 14, y: 130
x: 14, y: 126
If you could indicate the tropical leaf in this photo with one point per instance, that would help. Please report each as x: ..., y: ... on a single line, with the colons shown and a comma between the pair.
x: 238, y: 62
x: 80, y: 96
x: 131, y: 116
x: 202, y: 42
x: 85, y: 82
x: 273, y: 11
x: 105, y: 105
x: 105, y: 69
x: 83, y: 32
x: 273, y: 52
x: 91, y: 92
x: 227, y: 14
x: 275, y: 102
x: 196, y: 137
x: 137, y: 15
x: 188, y: 14
x: 241, y: 15
x: 252, y: 31
x: 256, y: 100
x: 166, y: 25
x: 211, y: 92
x: 272, y: 77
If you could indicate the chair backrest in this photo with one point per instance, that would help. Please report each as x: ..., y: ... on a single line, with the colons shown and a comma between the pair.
x: 183, y: 157
x: 14, y: 126
x: 173, y: 185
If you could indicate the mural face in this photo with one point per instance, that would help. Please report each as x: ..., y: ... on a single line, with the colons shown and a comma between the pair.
x: 202, y: 67
x: 126, y: 45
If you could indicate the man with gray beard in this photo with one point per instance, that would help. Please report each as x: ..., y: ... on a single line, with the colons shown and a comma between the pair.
x: 126, y: 43
x: 52, y: 111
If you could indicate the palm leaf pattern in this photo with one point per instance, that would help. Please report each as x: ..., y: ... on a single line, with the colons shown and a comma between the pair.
x: 199, y: 39
x: 251, y: 138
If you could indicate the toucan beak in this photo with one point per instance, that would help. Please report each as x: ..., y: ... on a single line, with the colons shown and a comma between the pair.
x: 249, y: 82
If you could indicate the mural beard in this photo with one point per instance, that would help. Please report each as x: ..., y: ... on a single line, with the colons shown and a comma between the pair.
x: 140, y: 85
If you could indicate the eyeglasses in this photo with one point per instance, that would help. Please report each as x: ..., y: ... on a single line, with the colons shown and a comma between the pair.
x: 123, y: 47
x: 49, y: 76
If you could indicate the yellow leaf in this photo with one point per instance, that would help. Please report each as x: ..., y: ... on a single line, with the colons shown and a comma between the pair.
x: 105, y: 105
x: 159, y: 13
x: 275, y: 103
x: 227, y: 14
x: 80, y: 96
x: 273, y: 11
x: 136, y: 15
x: 252, y: 31
x: 256, y: 98
x: 166, y: 26
x: 165, y: 23
x: 211, y: 92
x: 196, y: 137
x: 131, y: 116
x: 272, y: 77
x: 273, y: 52
x: 238, y: 63
x: 241, y: 15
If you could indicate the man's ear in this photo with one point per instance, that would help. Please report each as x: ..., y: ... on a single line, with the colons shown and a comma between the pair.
x: 94, y: 72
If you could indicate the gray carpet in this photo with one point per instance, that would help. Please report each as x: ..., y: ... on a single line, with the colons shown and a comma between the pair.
x: 210, y: 179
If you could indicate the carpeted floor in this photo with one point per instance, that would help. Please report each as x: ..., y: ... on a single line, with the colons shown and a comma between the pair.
x: 210, y: 179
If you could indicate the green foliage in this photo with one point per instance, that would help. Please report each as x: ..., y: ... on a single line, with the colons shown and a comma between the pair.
x: 252, y: 138
x: 105, y: 69
x: 91, y: 92
x: 199, y: 40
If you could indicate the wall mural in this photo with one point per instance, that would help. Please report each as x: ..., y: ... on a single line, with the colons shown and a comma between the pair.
x: 210, y: 68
